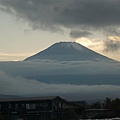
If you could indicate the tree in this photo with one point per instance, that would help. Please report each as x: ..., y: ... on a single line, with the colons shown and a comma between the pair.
x: 107, y: 103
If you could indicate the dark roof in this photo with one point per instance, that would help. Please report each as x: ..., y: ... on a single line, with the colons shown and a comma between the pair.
x: 29, y: 99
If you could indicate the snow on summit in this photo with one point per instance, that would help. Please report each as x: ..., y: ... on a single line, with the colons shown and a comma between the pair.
x: 76, y: 46
x: 70, y: 45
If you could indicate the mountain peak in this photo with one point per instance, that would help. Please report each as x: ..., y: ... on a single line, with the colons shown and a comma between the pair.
x: 68, y: 51
x: 70, y: 45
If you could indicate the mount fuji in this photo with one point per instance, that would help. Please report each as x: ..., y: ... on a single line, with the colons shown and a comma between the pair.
x: 68, y: 51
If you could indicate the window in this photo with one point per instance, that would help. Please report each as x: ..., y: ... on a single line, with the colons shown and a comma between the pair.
x: 10, y: 105
x: 43, y: 104
x: 30, y: 106
x: 23, y: 105
x: 60, y: 105
x: 16, y: 105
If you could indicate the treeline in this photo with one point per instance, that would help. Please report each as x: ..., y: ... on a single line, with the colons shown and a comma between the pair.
x: 113, y: 105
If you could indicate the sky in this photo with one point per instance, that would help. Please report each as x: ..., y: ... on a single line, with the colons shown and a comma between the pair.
x: 29, y: 26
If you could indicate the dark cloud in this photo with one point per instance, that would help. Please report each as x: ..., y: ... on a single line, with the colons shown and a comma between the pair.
x: 111, y: 31
x: 112, y: 44
x: 78, y: 15
x: 78, y: 34
x: 95, y: 13
x: 53, y: 14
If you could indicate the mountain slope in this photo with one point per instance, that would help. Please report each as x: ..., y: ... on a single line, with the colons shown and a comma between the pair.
x: 68, y: 51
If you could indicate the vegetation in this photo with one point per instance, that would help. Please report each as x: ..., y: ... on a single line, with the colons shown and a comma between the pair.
x: 113, y: 105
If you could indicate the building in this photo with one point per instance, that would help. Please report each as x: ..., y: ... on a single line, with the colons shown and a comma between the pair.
x: 37, y: 108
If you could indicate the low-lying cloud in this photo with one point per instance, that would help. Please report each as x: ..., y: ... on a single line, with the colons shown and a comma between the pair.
x: 52, y: 67
x: 11, y: 85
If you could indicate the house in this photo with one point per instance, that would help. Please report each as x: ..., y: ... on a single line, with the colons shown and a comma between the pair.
x: 37, y: 108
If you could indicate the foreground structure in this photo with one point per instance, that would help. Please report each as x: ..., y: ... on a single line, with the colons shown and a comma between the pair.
x: 38, y: 108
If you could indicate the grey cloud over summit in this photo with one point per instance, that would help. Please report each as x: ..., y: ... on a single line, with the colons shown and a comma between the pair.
x: 78, y: 34
x: 53, y: 14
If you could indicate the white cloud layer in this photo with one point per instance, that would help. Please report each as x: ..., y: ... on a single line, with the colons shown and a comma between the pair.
x: 10, y: 85
x: 13, y: 81
x: 52, y: 67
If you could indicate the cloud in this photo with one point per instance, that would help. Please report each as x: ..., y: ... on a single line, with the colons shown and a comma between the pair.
x: 79, y: 34
x: 15, y: 80
x: 56, y: 72
x: 54, y: 14
x: 52, y: 67
x: 112, y: 43
x: 80, y: 17
x: 11, y: 85
x: 96, y: 44
x: 9, y: 57
x: 112, y: 31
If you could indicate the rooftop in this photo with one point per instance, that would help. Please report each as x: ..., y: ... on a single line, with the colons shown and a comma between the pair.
x: 28, y: 98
